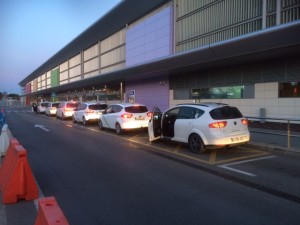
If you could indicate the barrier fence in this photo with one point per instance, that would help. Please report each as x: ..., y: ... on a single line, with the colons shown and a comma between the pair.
x: 286, y: 125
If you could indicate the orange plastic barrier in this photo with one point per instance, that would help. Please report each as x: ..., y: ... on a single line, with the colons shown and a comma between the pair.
x: 49, y: 213
x: 8, y: 157
x: 16, y: 178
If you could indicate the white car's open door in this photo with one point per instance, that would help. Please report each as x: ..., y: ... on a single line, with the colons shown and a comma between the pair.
x: 154, y: 126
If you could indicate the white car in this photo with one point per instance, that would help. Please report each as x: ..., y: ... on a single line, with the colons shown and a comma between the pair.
x: 88, y: 112
x: 124, y: 116
x: 201, y: 126
x: 66, y: 109
x: 42, y: 107
x: 51, y: 108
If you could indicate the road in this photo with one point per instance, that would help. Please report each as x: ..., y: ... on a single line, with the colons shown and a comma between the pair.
x: 98, y: 177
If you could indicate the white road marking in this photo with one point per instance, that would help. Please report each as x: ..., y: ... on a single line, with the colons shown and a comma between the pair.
x: 42, y: 127
x: 227, y: 166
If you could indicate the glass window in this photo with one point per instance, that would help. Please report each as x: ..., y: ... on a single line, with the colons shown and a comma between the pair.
x: 289, y: 90
x: 55, y: 105
x: 172, y: 112
x: 190, y: 113
x: 116, y: 108
x: 98, y: 106
x: 232, y: 92
x: 109, y: 109
x: 186, y: 113
x: 82, y: 106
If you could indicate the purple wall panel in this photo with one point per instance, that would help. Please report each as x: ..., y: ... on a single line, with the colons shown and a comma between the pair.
x: 150, y: 39
x: 150, y: 92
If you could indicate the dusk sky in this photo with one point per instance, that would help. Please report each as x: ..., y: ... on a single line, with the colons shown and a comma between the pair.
x: 32, y: 31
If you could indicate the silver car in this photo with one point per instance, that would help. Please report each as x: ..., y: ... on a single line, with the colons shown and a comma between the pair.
x: 87, y: 112
x: 66, y: 109
x: 124, y: 116
x: 51, y: 108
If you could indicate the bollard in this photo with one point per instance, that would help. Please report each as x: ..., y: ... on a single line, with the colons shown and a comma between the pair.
x: 49, y: 213
x: 4, y: 140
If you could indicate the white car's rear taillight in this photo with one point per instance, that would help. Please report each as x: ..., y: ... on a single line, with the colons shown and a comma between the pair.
x: 220, y: 124
x: 126, y: 115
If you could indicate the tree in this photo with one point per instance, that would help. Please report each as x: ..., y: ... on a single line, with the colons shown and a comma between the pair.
x: 14, y: 96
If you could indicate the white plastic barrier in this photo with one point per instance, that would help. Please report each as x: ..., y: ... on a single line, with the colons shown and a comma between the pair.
x: 4, y: 140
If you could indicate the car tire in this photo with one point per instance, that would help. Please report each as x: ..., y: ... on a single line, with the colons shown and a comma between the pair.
x: 84, y: 121
x: 196, y: 144
x: 119, y: 130
x: 100, y: 125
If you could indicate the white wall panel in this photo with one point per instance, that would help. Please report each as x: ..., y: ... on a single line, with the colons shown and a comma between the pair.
x: 64, y: 82
x: 91, y: 52
x: 91, y: 74
x: 75, y: 78
x: 75, y: 60
x: 113, y: 68
x: 91, y: 65
x: 113, y: 57
x: 48, y: 82
x: 64, y: 75
x: 113, y: 41
x: 73, y: 72
x: 64, y: 66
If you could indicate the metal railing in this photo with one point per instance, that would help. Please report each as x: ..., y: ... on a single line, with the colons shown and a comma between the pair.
x: 288, y: 122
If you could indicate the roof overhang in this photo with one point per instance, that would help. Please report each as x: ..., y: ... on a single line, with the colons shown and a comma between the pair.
x: 275, y: 42
x: 101, y: 29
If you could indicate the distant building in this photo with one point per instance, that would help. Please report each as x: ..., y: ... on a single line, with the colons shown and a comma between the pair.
x: 164, y: 52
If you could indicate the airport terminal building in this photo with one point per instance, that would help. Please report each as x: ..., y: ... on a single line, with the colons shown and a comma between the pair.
x: 165, y: 52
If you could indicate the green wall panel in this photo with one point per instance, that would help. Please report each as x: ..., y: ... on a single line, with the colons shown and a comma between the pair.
x: 55, y: 77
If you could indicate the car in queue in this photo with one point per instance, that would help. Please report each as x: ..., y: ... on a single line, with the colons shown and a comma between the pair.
x: 202, y: 126
x: 51, y: 108
x: 41, y: 107
x: 124, y: 116
x: 88, y: 112
x: 66, y: 109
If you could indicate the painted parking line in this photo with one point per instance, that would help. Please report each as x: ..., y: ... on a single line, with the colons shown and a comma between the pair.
x: 227, y: 166
x: 212, y: 158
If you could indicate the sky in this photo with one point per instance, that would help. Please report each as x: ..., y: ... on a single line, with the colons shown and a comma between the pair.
x: 32, y: 31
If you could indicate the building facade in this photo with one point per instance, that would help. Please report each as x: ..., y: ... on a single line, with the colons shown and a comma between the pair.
x: 164, y: 52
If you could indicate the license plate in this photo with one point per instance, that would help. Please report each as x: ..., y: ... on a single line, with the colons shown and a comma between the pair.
x: 139, y: 118
x: 241, y: 138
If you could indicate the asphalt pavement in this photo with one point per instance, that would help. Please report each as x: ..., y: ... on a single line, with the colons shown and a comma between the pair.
x: 25, y: 212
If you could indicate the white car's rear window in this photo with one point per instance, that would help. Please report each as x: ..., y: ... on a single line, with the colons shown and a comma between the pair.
x: 226, y: 112
x: 136, y: 109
